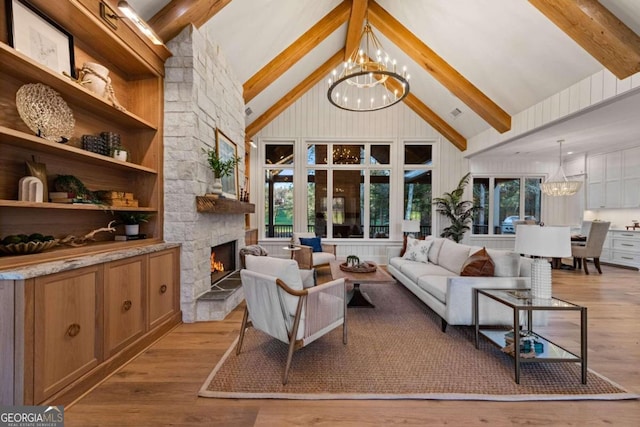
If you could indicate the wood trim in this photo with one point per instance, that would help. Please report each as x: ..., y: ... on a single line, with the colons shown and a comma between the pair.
x: 598, y: 31
x: 205, y: 204
x: 298, y: 49
x: 293, y: 95
x: 356, y: 22
x: 439, y: 68
x: 177, y: 14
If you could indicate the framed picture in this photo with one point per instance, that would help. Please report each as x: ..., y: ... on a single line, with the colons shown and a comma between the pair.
x: 227, y: 150
x: 39, y: 37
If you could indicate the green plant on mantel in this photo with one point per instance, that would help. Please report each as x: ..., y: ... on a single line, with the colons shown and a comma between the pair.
x: 221, y: 168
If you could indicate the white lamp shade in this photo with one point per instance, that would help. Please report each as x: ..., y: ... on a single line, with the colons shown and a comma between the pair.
x: 410, y: 225
x: 547, y: 241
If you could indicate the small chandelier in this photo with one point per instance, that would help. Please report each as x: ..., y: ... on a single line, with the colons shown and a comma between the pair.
x: 368, y: 80
x: 558, y: 184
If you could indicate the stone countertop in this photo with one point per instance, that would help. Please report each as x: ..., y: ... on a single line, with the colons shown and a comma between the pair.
x: 81, y: 261
x: 637, y: 230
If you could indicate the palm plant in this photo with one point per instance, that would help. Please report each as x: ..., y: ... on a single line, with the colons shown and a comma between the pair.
x: 459, y: 212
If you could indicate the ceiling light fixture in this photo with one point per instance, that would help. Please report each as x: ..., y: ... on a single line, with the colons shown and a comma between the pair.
x: 558, y: 184
x: 133, y: 16
x: 368, y: 80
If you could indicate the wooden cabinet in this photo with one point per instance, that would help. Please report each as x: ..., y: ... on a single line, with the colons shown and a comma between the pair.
x: 124, y: 302
x: 66, y: 329
x: 136, y: 72
x: 625, y: 248
x: 164, y: 278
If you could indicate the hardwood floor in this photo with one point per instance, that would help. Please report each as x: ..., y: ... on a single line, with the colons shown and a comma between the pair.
x: 160, y: 386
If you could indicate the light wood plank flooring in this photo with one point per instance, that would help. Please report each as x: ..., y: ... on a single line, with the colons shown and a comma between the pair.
x: 160, y: 386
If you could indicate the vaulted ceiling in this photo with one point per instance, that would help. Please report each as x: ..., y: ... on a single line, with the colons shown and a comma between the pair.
x: 489, y: 59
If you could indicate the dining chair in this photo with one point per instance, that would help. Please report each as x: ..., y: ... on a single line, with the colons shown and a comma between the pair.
x: 592, y: 247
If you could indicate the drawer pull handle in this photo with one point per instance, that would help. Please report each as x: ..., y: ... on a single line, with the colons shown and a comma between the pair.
x: 163, y: 289
x: 73, y: 330
x: 626, y: 257
x: 627, y: 244
x: 126, y: 306
x: 626, y: 235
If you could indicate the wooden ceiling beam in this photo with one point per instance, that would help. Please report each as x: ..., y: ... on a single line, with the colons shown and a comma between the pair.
x: 598, y: 31
x: 356, y: 23
x: 298, y: 49
x: 177, y: 14
x: 439, y: 68
x: 294, y: 94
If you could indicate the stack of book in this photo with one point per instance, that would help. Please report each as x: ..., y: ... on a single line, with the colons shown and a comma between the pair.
x: 118, y: 199
x: 124, y: 238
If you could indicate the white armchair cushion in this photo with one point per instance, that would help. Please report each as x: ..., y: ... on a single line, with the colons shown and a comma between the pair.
x: 321, y: 258
x: 284, y: 269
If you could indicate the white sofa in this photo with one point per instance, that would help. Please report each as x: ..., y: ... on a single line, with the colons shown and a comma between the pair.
x: 440, y: 286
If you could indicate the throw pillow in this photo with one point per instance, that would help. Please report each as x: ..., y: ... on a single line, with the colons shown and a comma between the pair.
x: 417, y: 250
x: 478, y: 264
x: 404, y: 243
x: 314, y: 242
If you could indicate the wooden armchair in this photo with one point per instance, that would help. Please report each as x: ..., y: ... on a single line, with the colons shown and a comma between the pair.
x: 306, y: 257
x: 278, y: 305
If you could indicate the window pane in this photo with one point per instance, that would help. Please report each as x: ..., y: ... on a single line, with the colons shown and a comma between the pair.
x: 317, y: 154
x: 481, y: 199
x: 348, y: 154
x: 278, y: 193
x: 417, y: 198
x: 532, y: 198
x: 380, y: 155
x: 347, y: 209
x: 379, y: 204
x: 278, y: 154
x: 418, y: 154
x: 317, y: 202
x: 507, y: 205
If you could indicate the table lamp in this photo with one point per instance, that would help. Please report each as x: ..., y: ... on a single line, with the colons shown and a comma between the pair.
x: 410, y: 226
x: 548, y: 241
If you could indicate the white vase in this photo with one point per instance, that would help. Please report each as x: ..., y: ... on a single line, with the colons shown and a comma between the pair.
x: 132, y: 229
x: 95, y: 77
x: 120, y: 155
x: 217, y: 186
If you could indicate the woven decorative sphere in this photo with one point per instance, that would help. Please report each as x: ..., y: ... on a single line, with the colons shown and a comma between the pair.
x: 45, y: 112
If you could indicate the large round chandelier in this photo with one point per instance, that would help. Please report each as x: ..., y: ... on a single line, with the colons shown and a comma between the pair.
x: 558, y: 184
x: 368, y: 80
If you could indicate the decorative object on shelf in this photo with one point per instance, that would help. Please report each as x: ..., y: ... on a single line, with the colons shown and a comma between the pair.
x: 89, y: 237
x: 558, y: 184
x: 120, y: 154
x: 23, y: 245
x: 39, y: 37
x: 368, y: 80
x: 95, y: 77
x: 45, y: 112
x: 126, y: 237
x: 132, y: 221
x: 362, y: 267
x: 223, y: 161
x: 39, y: 170
x: 542, y: 242
x: 459, y: 212
x: 117, y: 198
x: 30, y: 189
x: 74, y: 188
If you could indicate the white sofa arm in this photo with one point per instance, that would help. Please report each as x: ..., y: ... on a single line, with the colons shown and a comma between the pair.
x: 459, y: 304
x: 392, y: 252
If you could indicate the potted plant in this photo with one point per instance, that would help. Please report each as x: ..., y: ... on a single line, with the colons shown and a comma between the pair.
x: 132, y: 221
x: 459, y: 212
x: 220, y: 168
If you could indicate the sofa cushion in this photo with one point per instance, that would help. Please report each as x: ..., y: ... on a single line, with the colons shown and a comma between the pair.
x: 414, y: 270
x: 506, y: 263
x: 435, y: 285
x: 435, y: 248
x: 404, y: 243
x: 314, y: 242
x: 453, y: 255
x: 417, y: 250
x: 478, y: 264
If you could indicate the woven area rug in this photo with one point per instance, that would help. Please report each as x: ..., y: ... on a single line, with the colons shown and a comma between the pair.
x: 396, y: 351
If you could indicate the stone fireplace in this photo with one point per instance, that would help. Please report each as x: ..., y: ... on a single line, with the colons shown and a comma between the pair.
x: 223, y: 261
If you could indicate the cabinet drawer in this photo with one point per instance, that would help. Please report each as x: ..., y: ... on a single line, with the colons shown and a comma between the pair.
x: 626, y: 235
x: 163, y: 285
x: 625, y: 258
x: 65, y: 324
x: 627, y: 245
x: 124, y: 302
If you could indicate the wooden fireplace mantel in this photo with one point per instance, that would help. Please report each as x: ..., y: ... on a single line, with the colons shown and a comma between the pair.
x: 207, y: 204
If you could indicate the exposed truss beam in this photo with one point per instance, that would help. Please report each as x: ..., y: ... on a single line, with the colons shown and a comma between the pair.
x: 439, y: 68
x: 292, y: 54
x: 356, y: 23
x: 598, y: 31
x: 177, y: 14
x: 319, y: 74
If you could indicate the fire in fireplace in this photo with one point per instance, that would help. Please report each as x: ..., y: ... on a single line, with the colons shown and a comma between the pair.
x: 223, y: 261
